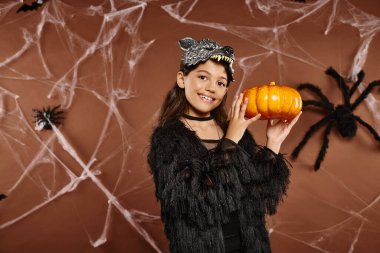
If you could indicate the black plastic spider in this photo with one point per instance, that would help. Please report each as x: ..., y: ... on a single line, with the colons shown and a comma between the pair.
x: 45, y: 115
x: 341, y: 115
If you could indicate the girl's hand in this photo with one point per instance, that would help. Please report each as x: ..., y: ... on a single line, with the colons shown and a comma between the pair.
x: 238, y: 124
x: 277, y: 132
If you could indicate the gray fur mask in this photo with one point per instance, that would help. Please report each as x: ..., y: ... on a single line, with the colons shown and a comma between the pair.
x: 195, y: 52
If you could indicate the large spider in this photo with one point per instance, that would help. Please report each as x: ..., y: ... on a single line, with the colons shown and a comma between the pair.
x: 341, y: 115
x: 44, y: 117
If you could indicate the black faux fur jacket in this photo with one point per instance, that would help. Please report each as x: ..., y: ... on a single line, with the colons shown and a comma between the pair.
x: 199, y: 188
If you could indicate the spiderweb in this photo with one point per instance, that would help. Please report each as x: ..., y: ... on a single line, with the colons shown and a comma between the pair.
x: 93, y: 58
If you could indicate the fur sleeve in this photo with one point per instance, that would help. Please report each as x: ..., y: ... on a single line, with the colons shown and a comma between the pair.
x: 264, y: 174
x: 272, y: 173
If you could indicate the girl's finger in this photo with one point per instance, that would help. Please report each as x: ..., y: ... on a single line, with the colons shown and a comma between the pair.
x: 243, y: 108
x: 229, y: 114
x: 237, y: 106
x: 270, y: 122
x: 253, y: 119
x: 291, y: 124
x: 232, y: 109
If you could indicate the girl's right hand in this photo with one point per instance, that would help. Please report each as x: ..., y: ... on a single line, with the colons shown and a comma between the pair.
x: 238, y: 124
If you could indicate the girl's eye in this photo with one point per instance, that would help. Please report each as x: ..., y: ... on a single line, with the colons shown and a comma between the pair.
x: 202, y: 77
x: 222, y: 84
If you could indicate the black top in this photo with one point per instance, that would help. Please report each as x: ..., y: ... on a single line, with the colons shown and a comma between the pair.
x: 231, y: 234
x: 231, y: 230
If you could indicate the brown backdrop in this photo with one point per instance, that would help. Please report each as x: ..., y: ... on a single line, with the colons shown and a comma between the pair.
x: 86, y: 187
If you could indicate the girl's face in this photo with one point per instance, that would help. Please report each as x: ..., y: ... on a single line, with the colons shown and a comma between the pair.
x: 205, y: 87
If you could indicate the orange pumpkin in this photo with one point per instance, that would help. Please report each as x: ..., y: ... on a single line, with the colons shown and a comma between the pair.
x: 273, y: 102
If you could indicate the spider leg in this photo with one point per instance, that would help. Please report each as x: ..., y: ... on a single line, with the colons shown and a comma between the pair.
x: 356, y: 84
x: 317, y: 91
x: 52, y: 119
x: 365, y: 94
x: 38, y: 115
x: 315, y: 103
x: 309, y: 133
x: 341, y: 84
x: 56, y: 122
x: 324, y: 147
x: 368, y: 126
x: 57, y: 113
x: 55, y: 108
x: 36, y: 112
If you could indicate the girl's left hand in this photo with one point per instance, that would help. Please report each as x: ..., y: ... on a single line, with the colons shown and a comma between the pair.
x: 277, y: 132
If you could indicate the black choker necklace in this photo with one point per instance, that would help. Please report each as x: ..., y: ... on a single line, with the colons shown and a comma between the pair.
x: 197, y: 118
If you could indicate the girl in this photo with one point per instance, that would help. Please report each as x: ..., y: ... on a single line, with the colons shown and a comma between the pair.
x: 214, y: 183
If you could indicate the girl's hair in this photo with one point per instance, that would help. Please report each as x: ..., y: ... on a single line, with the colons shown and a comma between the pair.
x: 175, y: 103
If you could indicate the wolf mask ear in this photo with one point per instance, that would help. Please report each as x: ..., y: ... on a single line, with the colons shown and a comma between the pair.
x: 186, y: 43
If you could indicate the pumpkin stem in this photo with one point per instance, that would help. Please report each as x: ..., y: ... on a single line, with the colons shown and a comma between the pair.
x: 272, y: 83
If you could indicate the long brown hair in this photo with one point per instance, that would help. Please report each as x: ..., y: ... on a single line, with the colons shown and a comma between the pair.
x: 175, y: 103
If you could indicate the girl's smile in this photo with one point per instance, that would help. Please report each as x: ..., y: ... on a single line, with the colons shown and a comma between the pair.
x: 207, y: 99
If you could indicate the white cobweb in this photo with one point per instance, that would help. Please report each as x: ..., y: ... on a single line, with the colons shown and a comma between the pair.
x: 116, y: 20
x: 101, y: 66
